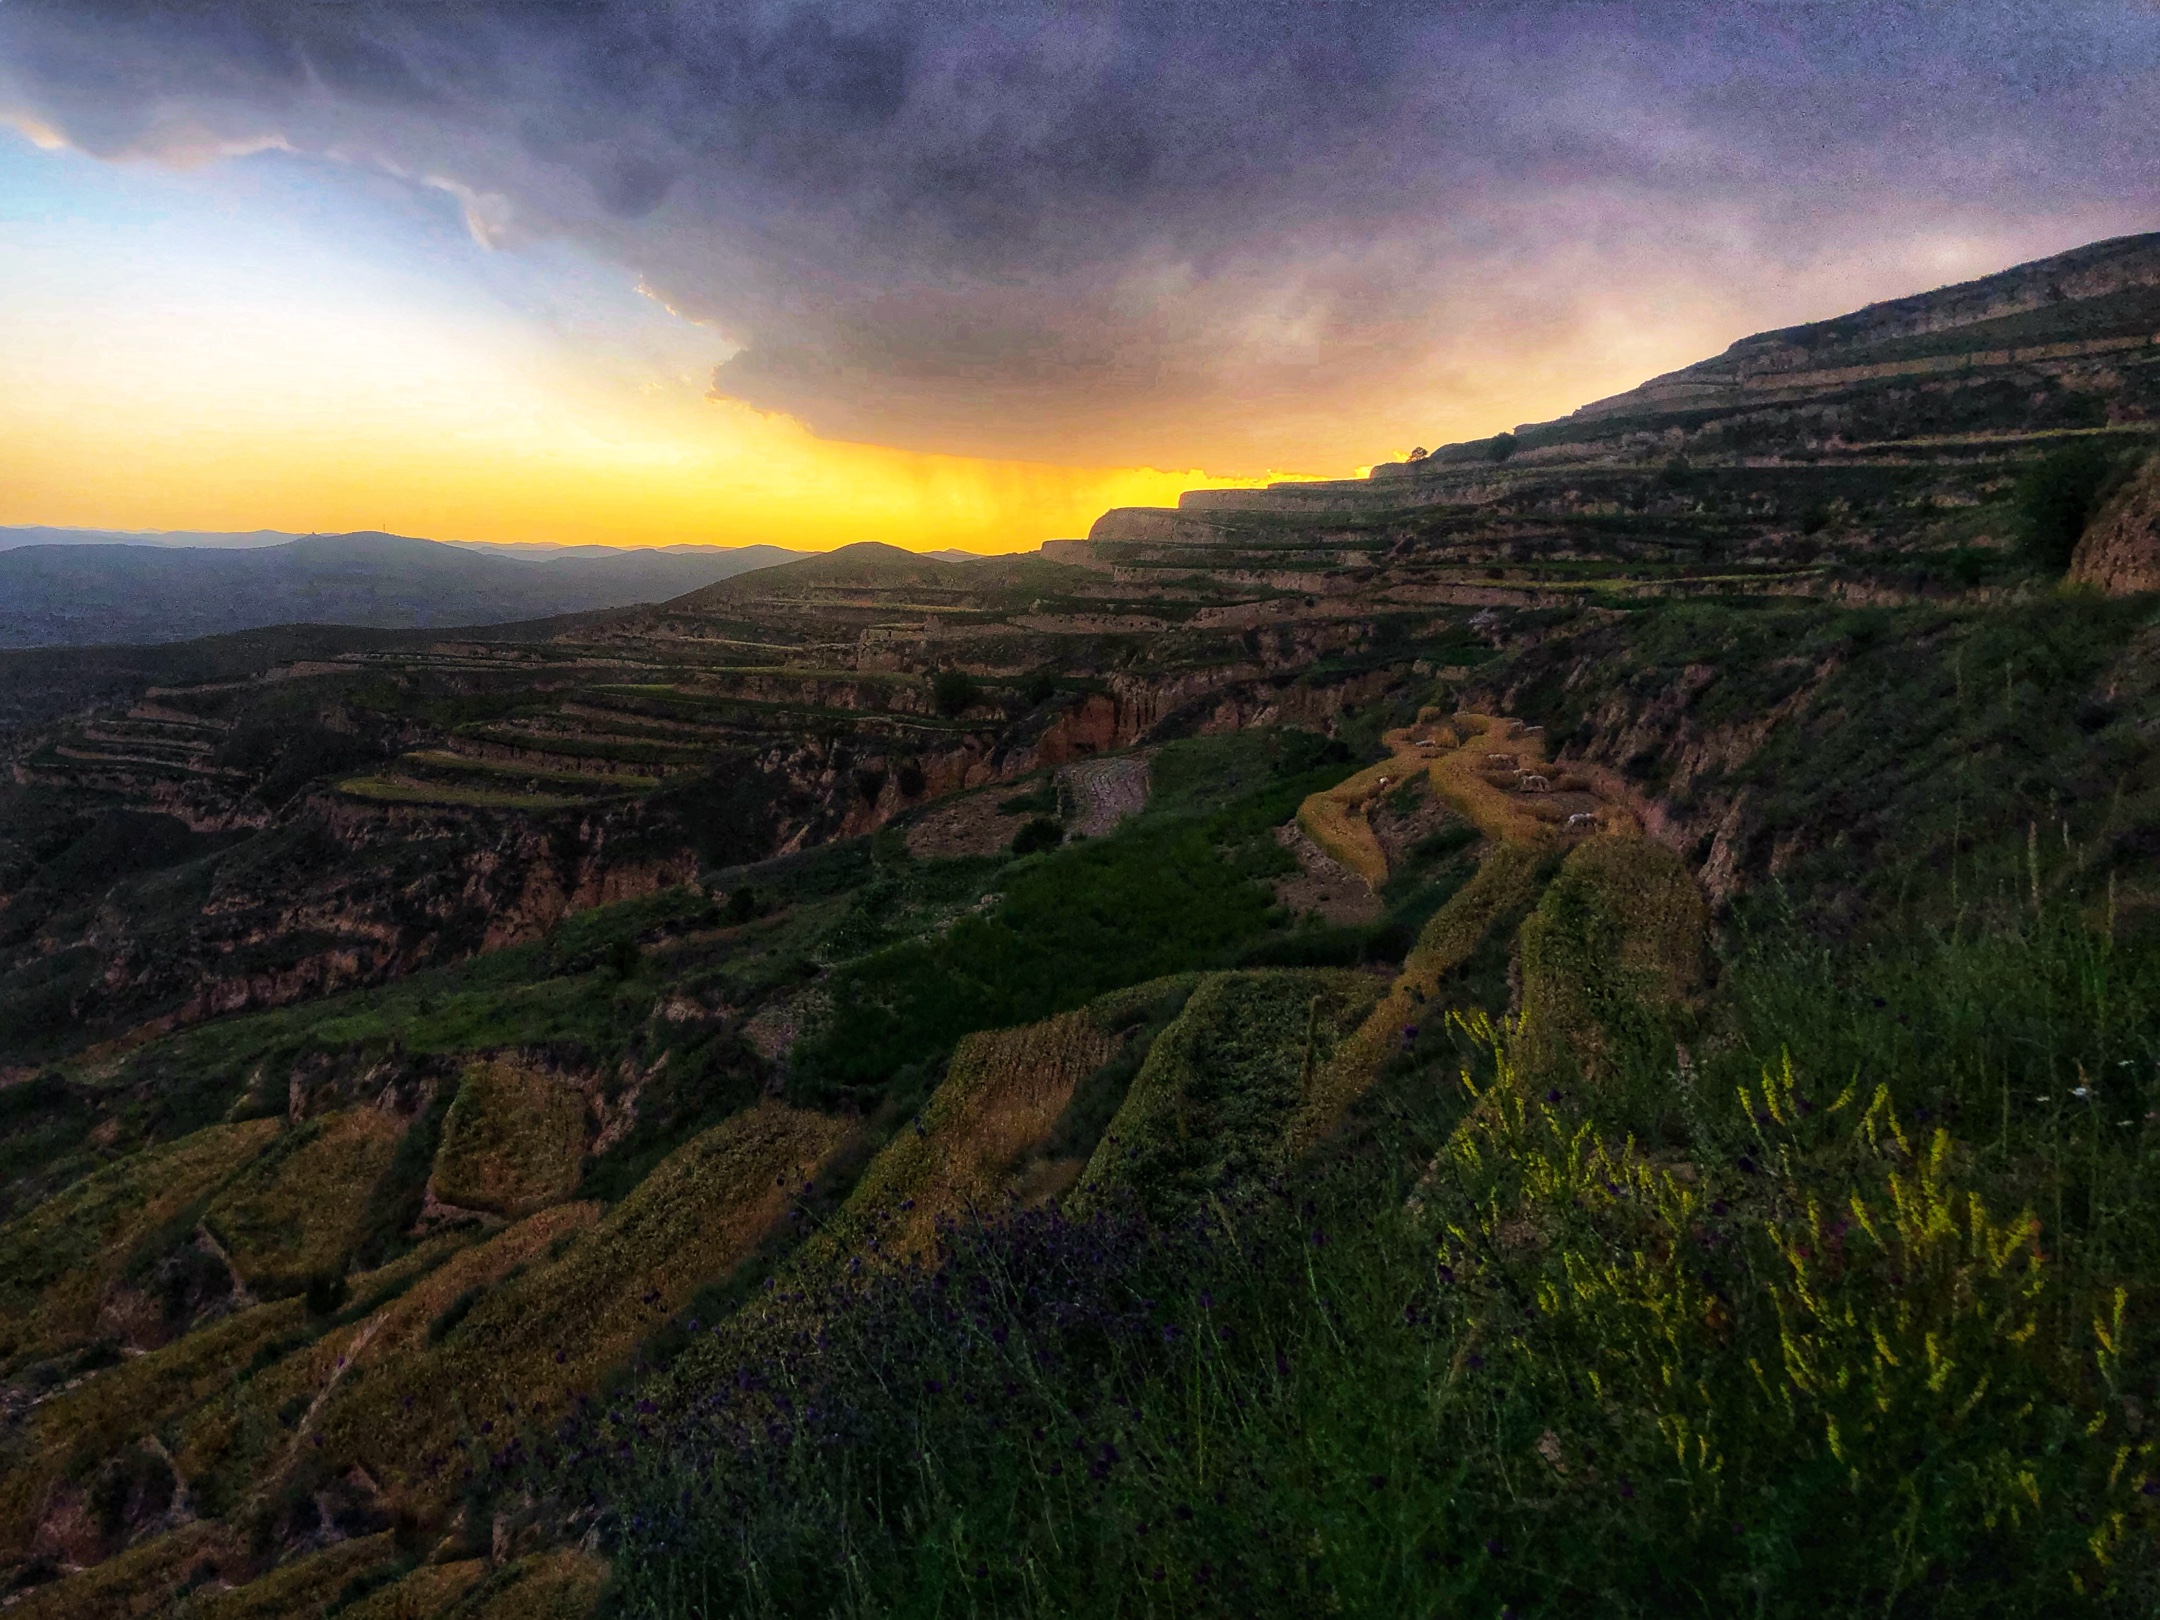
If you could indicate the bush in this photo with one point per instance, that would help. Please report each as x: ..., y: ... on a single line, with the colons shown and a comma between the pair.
x: 1041, y: 833
x: 954, y: 692
x: 2056, y: 498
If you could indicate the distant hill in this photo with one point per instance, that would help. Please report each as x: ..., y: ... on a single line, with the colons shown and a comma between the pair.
x: 86, y: 590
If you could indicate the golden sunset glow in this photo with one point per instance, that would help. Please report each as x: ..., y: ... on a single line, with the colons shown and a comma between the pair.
x: 172, y: 366
x: 712, y: 473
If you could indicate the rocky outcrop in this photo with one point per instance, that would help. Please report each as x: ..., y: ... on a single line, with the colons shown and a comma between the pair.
x: 2120, y: 551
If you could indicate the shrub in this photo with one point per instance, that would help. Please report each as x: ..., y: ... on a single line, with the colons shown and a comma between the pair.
x: 2056, y: 497
x: 1040, y: 833
x: 954, y: 691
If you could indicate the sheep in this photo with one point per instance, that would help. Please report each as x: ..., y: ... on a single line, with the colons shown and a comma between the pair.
x: 1505, y: 762
x: 1583, y: 818
x: 1531, y: 782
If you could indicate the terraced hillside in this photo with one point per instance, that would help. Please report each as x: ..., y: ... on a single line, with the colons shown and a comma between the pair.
x: 1866, y: 458
x: 1300, y: 1057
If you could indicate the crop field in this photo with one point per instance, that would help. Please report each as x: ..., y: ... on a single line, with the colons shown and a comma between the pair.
x: 56, y: 1261
x: 513, y: 1142
x: 112, y: 1407
x: 1003, y: 1092
x: 1209, y: 1113
x: 299, y: 1211
x: 497, y: 1357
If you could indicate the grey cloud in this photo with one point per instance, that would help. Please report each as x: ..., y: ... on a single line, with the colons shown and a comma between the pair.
x: 1131, y: 229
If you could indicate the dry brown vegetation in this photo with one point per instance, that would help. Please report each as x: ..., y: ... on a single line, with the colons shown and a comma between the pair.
x: 1003, y: 1092
x: 57, y: 1261
x: 513, y: 1140
x: 296, y: 1214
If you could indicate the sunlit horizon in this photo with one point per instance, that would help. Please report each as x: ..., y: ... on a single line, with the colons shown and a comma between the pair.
x: 201, y: 350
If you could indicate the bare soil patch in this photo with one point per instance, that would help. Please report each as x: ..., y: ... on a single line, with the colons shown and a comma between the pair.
x: 1323, y: 886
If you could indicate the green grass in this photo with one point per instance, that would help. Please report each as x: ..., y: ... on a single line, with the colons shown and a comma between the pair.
x: 1918, y: 751
x: 1209, y: 1114
x: 1173, y: 889
x: 399, y: 790
x: 1804, y: 1327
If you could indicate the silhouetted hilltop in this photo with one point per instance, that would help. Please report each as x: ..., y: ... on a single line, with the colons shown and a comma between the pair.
x: 74, y: 594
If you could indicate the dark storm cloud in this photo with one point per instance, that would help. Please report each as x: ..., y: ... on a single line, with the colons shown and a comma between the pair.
x: 1135, y: 229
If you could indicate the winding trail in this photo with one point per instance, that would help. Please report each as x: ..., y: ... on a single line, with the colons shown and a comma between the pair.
x: 1455, y: 755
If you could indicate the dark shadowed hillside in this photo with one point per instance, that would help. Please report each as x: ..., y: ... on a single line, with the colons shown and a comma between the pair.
x: 68, y: 595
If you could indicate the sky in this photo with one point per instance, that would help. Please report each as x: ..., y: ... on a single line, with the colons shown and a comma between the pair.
x: 958, y: 272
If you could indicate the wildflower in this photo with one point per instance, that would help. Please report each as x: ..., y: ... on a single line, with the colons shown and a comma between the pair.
x: 1552, y: 1094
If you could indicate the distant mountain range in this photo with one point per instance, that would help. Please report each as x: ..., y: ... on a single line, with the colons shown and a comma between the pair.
x: 75, y: 587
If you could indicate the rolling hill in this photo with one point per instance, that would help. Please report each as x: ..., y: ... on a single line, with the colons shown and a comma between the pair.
x: 90, y: 593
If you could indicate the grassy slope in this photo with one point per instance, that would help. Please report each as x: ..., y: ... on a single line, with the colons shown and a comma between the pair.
x: 513, y: 1142
x: 56, y: 1261
x: 1208, y: 1114
x: 1993, y: 1016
